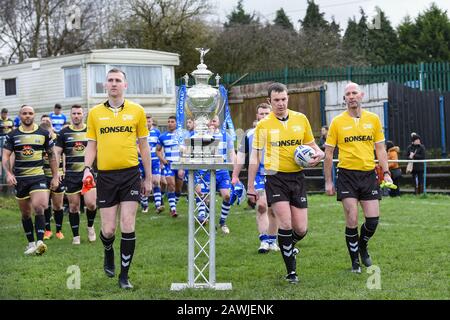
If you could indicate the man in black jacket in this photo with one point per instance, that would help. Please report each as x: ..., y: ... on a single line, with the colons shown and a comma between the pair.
x: 416, y: 151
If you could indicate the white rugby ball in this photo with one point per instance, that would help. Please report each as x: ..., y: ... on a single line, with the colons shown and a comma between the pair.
x: 303, y: 154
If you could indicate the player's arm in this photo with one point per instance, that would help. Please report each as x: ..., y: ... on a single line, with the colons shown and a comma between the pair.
x: 58, y: 155
x: 7, y: 167
x: 159, y: 153
x: 255, y: 160
x: 380, y: 150
x: 146, y: 162
x: 237, y: 166
x: 239, y: 162
x: 89, y: 157
x: 327, y: 167
x: 52, y: 159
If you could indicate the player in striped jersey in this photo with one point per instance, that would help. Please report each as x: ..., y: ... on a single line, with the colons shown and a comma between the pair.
x: 223, y: 180
x: 28, y: 143
x: 72, y: 143
x: 169, y: 143
x: 56, y: 196
x: 265, y: 219
x: 153, y: 140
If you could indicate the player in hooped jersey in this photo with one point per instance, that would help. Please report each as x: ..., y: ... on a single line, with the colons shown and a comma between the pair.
x: 72, y: 142
x: 223, y: 180
x: 153, y: 140
x: 168, y: 151
x: 265, y: 219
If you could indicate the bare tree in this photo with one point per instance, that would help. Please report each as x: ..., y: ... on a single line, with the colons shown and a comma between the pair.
x: 40, y: 28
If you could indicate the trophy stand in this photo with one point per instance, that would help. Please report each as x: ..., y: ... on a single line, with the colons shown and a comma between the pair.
x: 201, y: 152
x: 200, y: 235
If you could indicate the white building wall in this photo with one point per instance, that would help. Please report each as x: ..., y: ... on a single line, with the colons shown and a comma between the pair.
x: 40, y: 82
x: 374, y: 97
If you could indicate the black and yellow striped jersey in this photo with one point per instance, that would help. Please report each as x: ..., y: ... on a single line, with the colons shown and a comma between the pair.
x: 47, y: 169
x: 73, y: 142
x: 28, y: 148
x: 6, y: 126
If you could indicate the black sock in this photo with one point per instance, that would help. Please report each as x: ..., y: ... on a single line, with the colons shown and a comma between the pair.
x: 296, y: 237
x: 91, y: 216
x: 39, y: 225
x: 59, y: 216
x: 286, y: 245
x: 48, y: 216
x: 127, y: 245
x: 28, y: 228
x: 367, y: 230
x: 74, y: 218
x: 109, y: 249
x: 351, y: 237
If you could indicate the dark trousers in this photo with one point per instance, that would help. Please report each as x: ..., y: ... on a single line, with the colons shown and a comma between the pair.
x: 417, y: 181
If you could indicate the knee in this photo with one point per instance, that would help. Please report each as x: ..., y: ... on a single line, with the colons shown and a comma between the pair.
x: 74, y: 207
x: 226, y: 198
x: 26, y: 215
x: 372, y: 223
x: 108, y: 233
x: 91, y: 207
x: 262, y: 208
x: 301, y: 232
x: 40, y: 208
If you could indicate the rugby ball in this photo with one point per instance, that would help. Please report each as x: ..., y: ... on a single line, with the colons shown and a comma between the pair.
x: 303, y: 154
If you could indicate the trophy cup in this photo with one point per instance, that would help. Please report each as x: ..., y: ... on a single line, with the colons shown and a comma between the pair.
x: 203, y: 102
x: 201, y: 152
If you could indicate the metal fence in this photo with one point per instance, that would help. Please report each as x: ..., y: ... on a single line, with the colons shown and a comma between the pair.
x: 424, y: 76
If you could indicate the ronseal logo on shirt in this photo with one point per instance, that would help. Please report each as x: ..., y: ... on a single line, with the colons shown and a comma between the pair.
x: 286, y: 143
x: 116, y: 129
x: 358, y: 139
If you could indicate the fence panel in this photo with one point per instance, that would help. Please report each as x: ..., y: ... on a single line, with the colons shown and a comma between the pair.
x: 412, y: 110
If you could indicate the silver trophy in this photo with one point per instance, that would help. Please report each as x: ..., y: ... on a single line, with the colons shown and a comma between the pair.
x: 203, y: 102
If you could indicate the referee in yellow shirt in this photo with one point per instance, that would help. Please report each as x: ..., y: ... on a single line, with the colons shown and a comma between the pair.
x: 112, y: 130
x: 356, y: 133
x: 276, y: 137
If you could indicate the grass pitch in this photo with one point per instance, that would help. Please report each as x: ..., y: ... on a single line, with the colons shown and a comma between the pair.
x: 411, y: 249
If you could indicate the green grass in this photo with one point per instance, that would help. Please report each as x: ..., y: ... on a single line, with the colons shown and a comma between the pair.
x: 411, y: 247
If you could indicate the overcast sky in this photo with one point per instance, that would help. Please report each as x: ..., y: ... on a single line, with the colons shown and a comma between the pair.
x: 342, y: 10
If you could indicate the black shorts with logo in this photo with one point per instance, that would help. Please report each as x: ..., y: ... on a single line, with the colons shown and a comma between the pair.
x: 58, y: 190
x: 73, y: 184
x: 361, y: 185
x: 26, y: 186
x: 287, y: 186
x: 115, y: 186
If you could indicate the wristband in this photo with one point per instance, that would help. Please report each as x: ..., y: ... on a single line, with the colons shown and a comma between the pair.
x: 87, y: 167
x: 386, y: 173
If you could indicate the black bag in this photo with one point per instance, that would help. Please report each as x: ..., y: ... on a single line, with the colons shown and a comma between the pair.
x: 396, y: 173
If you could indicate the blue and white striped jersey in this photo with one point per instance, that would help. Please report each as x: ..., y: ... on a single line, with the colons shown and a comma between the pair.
x: 153, y: 141
x: 170, y: 142
x: 224, y: 147
x: 246, y: 147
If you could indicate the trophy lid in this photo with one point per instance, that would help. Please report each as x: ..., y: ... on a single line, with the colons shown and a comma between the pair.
x: 202, y: 74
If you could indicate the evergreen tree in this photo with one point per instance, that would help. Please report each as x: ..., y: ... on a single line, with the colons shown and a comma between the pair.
x: 434, y: 37
x: 283, y: 20
x: 382, y: 41
x: 314, y: 19
x: 239, y: 17
x: 408, y: 46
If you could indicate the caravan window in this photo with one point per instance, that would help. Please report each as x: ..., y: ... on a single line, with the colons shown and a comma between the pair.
x: 72, y: 82
x: 97, y: 78
x: 143, y: 79
x: 10, y: 87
